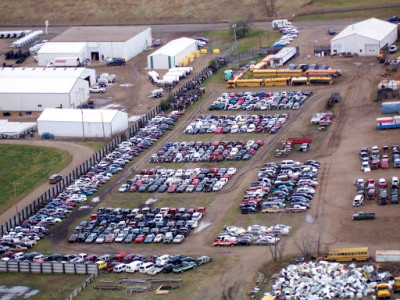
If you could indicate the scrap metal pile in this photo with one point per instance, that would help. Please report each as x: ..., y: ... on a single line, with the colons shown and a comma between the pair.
x: 328, y: 280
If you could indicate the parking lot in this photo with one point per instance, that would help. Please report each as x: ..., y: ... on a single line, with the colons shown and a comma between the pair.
x: 337, y: 151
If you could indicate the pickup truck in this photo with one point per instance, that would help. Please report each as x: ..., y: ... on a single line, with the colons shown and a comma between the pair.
x: 18, y: 248
x: 363, y: 216
x: 225, y: 241
x: 296, y: 208
x: 273, y: 209
x: 186, y: 265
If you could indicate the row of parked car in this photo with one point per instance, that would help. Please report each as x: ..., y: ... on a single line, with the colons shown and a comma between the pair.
x: 253, y: 235
x: 288, y: 187
x: 289, y: 33
x: 374, y: 159
x: 370, y: 189
x: 179, y: 181
x: 145, y: 225
x: 35, y: 227
x: 206, y: 151
x: 260, y: 100
x: 237, y: 124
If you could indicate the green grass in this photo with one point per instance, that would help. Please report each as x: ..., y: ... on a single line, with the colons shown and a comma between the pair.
x: 50, y: 286
x: 382, y: 13
x: 27, y: 167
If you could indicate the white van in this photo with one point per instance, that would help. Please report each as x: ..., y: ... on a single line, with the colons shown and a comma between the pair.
x: 119, y: 268
x: 133, y: 266
x: 144, y: 268
x: 162, y: 260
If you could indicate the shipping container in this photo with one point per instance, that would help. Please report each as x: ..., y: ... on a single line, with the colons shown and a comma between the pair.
x: 391, y: 107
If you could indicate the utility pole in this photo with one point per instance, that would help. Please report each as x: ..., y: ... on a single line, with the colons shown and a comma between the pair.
x: 234, y: 34
x: 15, y: 197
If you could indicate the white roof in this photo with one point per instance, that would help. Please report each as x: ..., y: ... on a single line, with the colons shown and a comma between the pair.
x: 75, y: 115
x: 175, y: 47
x: 41, y: 72
x: 15, y: 127
x: 371, y: 28
x: 283, y: 52
x: 36, y: 85
x: 60, y: 47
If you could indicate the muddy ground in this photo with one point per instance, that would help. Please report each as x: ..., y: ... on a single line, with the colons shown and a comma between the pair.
x: 336, y: 149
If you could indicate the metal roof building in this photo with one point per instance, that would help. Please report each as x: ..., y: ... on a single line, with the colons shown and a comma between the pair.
x: 36, y: 94
x: 103, y: 42
x: 82, y: 122
x: 50, y: 50
x: 83, y: 73
x: 365, y: 38
x: 171, y: 54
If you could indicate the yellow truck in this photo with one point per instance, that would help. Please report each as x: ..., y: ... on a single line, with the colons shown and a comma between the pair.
x: 383, y: 291
x: 396, y: 285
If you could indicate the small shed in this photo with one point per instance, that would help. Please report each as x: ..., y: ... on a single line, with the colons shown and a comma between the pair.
x: 365, y: 38
x: 171, y: 54
x: 98, y: 123
x: 51, y: 50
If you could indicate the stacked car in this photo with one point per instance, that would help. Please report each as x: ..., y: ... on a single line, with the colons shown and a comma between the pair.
x: 179, y: 181
x: 260, y: 100
x: 206, y: 151
x: 218, y: 124
x: 288, y: 187
x: 254, y: 235
x: 145, y: 225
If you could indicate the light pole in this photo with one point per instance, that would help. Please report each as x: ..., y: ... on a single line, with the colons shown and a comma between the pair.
x: 15, y: 197
x: 83, y: 125
x: 234, y: 33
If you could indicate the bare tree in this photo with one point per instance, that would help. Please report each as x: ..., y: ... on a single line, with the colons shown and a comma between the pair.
x: 270, y: 7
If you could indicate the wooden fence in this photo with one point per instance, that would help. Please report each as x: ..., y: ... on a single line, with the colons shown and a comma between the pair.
x: 82, y: 287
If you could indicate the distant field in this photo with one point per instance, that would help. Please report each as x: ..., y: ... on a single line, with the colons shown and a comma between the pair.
x: 102, y: 12
x: 27, y: 166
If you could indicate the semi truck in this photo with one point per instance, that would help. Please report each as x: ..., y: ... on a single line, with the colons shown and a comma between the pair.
x: 284, y: 55
x: 73, y: 61
x: 387, y: 256
x: 278, y: 24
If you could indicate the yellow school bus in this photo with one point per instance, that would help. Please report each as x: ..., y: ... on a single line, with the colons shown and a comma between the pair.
x: 249, y: 82
x: 348, y: 254
x: 323, y: 80
x: 284, y: 81
x: 299, y: 81
x: 277, y: 73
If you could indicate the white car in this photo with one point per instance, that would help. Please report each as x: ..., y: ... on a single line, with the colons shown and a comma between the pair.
x: 231, y: 171
x: 97, y: 89
x: 393, y: 49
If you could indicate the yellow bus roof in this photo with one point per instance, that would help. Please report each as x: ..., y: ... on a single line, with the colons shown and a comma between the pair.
x: 349, y: 249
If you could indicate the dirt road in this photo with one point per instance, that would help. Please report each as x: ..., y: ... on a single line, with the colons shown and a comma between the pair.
x: 79, y: 154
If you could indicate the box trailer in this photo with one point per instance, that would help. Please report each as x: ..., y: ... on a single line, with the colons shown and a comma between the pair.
x: 392, y: 107
x: 387, y: 255
x: 278, y: 24
x: 72, y: 61
x: 388, y: 122
x: 279, y: 59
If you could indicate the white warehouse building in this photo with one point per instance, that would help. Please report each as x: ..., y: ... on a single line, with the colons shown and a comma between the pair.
x: 36, y: 94
x: 365, y: 38
x: 102, y: 42
x: 82, y: 122
x: 83, y: 73
x: 49, y: 51
x: 171, y: 54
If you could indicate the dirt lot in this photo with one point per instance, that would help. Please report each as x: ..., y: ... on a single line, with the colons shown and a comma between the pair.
x: 337, y: 150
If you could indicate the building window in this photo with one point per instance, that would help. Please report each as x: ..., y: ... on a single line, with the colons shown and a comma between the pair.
x: 39, y: 105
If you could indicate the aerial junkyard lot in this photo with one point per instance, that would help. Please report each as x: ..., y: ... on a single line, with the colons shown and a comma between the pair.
x: 336, y: 150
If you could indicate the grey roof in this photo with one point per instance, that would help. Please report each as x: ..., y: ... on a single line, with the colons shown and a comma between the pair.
x: 99, y: 34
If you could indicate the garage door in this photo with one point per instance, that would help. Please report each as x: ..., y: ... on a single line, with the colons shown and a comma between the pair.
x: 371, y: 49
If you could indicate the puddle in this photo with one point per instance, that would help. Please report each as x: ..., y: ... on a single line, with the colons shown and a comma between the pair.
x: 84, y: 207
x: 13, y: 292
x: 95, y: 200
x: 134, y: 118
x: 111, y: 105
x: 150, y: 201
x: 203, y: 225
x: 126, y: 84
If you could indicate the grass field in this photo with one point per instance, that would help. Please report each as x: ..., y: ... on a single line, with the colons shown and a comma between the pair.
x: 26, y: 167
x: 47, y: 284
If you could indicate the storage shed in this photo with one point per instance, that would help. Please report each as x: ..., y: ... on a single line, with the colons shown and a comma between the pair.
x: 36, y: 94
x: 83, y: 73
x: 365, y: 38
x: 51, y: 50
x: 171, y: 54
x: 82, y: 122
x: 103, y: 42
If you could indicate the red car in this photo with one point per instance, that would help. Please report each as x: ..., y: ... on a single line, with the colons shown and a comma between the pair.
x: 384, y: 163
x: 218, y: 130
x: 172, y: 189
x: 260, y: 142
x: 140, y: 238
